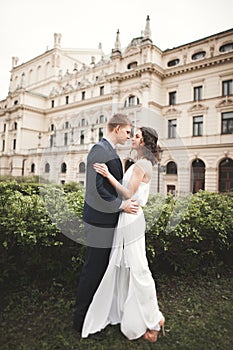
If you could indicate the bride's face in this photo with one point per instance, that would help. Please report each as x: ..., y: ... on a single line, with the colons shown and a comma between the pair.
x: 137, y: 140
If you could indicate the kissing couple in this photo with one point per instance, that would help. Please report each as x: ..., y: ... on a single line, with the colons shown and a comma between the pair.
x: 116, y: 285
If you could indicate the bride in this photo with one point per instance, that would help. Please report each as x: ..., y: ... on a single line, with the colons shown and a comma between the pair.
x: 127, y: 293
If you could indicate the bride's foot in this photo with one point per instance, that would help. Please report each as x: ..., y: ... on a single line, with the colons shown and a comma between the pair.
x: 152, y: 335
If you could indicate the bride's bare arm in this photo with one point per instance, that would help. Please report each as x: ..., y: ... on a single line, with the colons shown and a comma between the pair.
x: 134, y: 182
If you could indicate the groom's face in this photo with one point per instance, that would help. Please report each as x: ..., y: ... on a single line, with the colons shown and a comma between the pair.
x: 123, y: 133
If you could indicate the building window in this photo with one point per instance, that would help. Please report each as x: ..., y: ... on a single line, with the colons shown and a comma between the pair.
x: 226, y: 47
x: 52, y: 128
x: 101, y: 133
x: 171, y: 189
x: 172, y: 98
x: 47, y: 168
x: 101, y: 119
x: 227, y: 87
x: 83, y: 95
x: 101, y: 90
x: 14, y: 144
x: 82, y: 138
x: 132, y: 65
x: 67, y: 100
x: 198, y: 175
x: 51, y: 141
x: 132, y: 101
x: 65, y: 139
x: 66, y: 125
x: 198, y: 125
x: 83, y: 122
x: 227, y: 123
x: 173, y: 63
x: 33, y: 168
x: 171, y: 168
x: 16, y: 102
x: 63, y: 168
x: 3, y: 145
x: 198, y: 55
x: 82, y: 167
x: 197, y: 93
x: 52, y: 103
x: 4, y: 128
x: 15, y: 126
x: 171, y: 128
x: 226, y: 175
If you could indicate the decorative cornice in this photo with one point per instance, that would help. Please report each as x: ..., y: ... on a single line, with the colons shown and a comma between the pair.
x: 154, y: 104
x: 196, y: 66
x: 77, y: 104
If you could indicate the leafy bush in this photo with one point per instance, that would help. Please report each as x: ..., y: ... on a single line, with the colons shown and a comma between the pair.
x: 30, y: 239
x: 40, y: 226
x: 191, y: 233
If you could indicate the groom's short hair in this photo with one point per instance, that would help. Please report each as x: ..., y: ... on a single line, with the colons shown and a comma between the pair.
x: 118, y: 119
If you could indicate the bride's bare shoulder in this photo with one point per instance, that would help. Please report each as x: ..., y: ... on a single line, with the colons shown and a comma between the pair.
x: 146, y: 165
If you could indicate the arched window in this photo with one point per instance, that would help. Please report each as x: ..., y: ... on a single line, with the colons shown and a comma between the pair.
x: 132, y: 101
x: 173, y: 63
x: 198, y: 55
x: 83, y: 122
x: 101, y: 133
x: 226, y: 175
x: 33, y: 168
x: 47, y: 168
x: 82, y: 167
x: 171, y: 168
x: 226, y: 47
x: 52, y: 127
x: 63, y: 168
x: 82, y: 137
x: 198, y: 176
x: 102, y: 119
x: 132, y: 65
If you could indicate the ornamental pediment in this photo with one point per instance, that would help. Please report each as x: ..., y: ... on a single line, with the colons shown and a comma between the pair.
x: 172, y: 111
x: 198, y: 107
x: 130, y: 51
x: 227, y: 102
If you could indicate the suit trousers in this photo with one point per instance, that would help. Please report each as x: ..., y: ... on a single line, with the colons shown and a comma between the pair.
x: 94, y: 267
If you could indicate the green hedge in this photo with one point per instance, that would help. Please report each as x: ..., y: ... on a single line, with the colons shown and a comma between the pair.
x: 193, y: 233
x: 186, y: 234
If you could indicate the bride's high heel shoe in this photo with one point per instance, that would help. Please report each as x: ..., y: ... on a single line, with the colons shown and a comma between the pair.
x: 152, y: 335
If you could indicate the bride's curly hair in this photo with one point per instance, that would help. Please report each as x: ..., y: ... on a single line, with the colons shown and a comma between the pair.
x: 151, y: 149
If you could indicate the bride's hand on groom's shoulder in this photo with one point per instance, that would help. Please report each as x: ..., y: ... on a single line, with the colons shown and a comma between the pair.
x: 130, y: 206
x: 101, y: 168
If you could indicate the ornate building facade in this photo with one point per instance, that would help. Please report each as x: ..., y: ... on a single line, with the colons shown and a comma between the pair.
x: 59, y: 102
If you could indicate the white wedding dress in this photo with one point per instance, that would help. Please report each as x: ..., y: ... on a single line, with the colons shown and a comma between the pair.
x: 127, y: 293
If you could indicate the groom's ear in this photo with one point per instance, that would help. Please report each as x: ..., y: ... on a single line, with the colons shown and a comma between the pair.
x: 117, y: 128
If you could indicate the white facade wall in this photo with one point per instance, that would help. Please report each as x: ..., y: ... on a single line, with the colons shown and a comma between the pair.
x: 61, y: 94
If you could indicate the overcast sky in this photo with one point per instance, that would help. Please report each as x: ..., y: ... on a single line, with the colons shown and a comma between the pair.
x: 27, y: 26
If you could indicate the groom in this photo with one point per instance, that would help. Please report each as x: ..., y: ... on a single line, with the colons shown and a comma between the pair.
x: 101, y: 211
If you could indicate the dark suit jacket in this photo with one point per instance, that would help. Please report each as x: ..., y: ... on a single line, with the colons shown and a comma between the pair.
x: 102, y: 202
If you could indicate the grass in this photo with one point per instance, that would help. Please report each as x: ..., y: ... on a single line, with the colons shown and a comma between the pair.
x: 198, y: 313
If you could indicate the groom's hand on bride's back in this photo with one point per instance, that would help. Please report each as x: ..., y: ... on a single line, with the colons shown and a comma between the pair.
x: 130, y: 206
